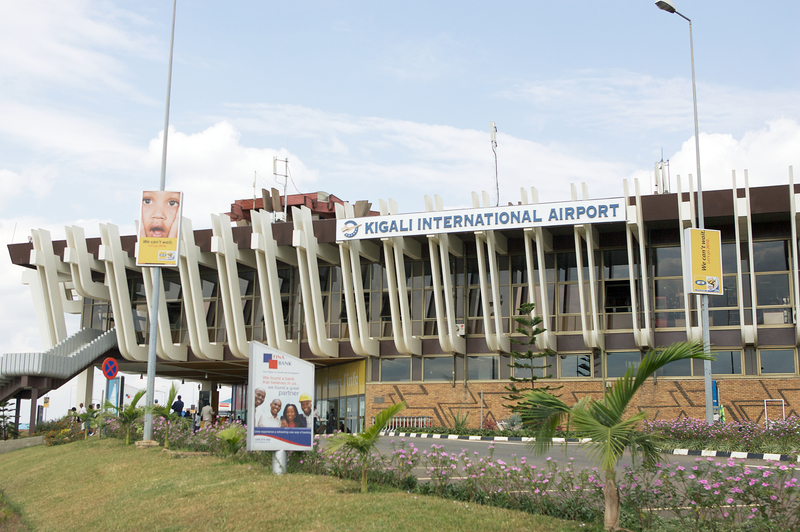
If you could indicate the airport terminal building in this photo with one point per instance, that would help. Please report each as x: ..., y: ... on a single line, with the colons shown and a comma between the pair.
x: 419, y: 306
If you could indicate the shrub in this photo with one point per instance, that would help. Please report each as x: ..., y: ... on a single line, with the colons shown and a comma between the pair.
x: 61, y: 431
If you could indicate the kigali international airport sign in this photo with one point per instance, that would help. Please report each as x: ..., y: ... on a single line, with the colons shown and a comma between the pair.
x: 488, y: 219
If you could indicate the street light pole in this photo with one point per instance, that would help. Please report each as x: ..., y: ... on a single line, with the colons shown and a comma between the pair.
x: 669, y: 7
x: 153, y: 337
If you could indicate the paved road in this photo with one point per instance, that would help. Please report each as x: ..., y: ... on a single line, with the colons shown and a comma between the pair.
x: 507, y: 451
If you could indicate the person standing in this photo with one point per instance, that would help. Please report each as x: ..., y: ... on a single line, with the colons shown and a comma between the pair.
x: 177, y: 406
x: 207, y: 414
x: 331, y: 421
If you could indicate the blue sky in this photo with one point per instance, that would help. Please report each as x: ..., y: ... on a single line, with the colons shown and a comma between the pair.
x: 375, y: 101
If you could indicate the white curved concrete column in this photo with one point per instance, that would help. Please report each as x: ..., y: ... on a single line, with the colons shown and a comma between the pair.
x: 165, y: 348
x: 81, y: 264
x: 440, y: 247
x: 226, y: 252
x: 350, y: 253
x: 266, y: 254
x: 192, y: 288
x: 51, y: 300
x: 496, y: 339
x: 743, y: 229
x: 644, y: 337
x: 308, y: 249
x: 592, y: 334
x: 394, y: 251
x: 543, y: 240
x: 40, y: 306
x: 687, y: 219
x: 793, y: 198
x: 117, y: 262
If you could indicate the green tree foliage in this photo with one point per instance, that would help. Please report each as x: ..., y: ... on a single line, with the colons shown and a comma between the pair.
x: 7, y: 427
x: 526, y: 366
x: 605, y: 420
x: 234, y: 437
x: 165, y: 412
x: 128, y: 414
x: 365, y: 442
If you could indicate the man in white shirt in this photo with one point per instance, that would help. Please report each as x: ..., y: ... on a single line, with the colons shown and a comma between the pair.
x: 270, y: 418
x: 206, y: 416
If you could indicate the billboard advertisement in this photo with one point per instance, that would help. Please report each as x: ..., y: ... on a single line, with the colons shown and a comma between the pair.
x: 159, y: 228
x: 280, y: 401
x: 704, y: 261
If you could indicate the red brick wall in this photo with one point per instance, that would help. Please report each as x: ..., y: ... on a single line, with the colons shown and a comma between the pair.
x: 668, y: 399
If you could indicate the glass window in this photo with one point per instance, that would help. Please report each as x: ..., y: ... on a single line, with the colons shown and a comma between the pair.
x: 572, y: 366
x: 395, y: 369
x: 438, y: 368
x: 618, y: 363
x: 771, y: 256
x: 669, y: 294
x: 615, y: 264
x: 727, y: 363
x: 569, y: 298
x: 680, y: 368
x: 777, y: 361
x: 667, y: 262
x: 772, y: 289
x: 536, y: 369
x: 482, y: 368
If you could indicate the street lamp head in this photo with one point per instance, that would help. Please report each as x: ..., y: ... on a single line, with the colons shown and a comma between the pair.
x: 666, y: 5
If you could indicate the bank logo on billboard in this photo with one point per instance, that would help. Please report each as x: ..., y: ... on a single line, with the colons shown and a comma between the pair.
x: 350, y: 228
x: 272, y: 363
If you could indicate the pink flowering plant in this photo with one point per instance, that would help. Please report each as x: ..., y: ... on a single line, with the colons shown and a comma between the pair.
x: 777, y: 436
x: 715, y: 495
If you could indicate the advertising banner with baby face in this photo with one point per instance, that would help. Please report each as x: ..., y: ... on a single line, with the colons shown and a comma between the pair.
x: 280, y: 401
x: 159, y: 228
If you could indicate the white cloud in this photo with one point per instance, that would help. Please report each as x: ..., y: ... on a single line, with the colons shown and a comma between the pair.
x: 423, y: 59
x: 766, y: 153
x: 624, y: 102
x: 56, y: 133
x: 35, y: 180
x: 213, y: 169
x: 69, y: 44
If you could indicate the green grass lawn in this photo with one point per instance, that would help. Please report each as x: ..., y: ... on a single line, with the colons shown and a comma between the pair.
x: 104, y: 485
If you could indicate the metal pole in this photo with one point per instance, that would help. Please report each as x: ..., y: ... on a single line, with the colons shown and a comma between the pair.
x: 151, y: 350
x: 481, y: 409
x: 702, y: 225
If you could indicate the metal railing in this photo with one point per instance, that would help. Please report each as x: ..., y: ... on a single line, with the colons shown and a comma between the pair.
x: 401, y: 422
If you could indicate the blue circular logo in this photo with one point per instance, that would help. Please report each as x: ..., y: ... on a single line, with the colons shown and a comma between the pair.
x: 350, y: 228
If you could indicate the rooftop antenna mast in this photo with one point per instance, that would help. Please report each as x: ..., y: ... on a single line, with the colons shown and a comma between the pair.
x: 662, y: 175
x: 493, y: 135
x: 285, y: 176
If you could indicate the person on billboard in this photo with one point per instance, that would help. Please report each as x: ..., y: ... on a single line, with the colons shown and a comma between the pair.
x: 311, y: 416
x: 270, y: 418
x: 160, y: 214
x: 292, y: 419
x: 260, y: 396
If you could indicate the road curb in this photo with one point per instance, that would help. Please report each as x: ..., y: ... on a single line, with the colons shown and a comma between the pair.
x: 680, y: 452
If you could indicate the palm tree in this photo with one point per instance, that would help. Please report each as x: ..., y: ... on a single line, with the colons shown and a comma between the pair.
x: 165, y: 411
x: 604, y: 421
x: 365, y: 442
x: 128, y: 414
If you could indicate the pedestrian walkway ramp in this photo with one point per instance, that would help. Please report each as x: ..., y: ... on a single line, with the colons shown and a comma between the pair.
x: 22, y: 372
